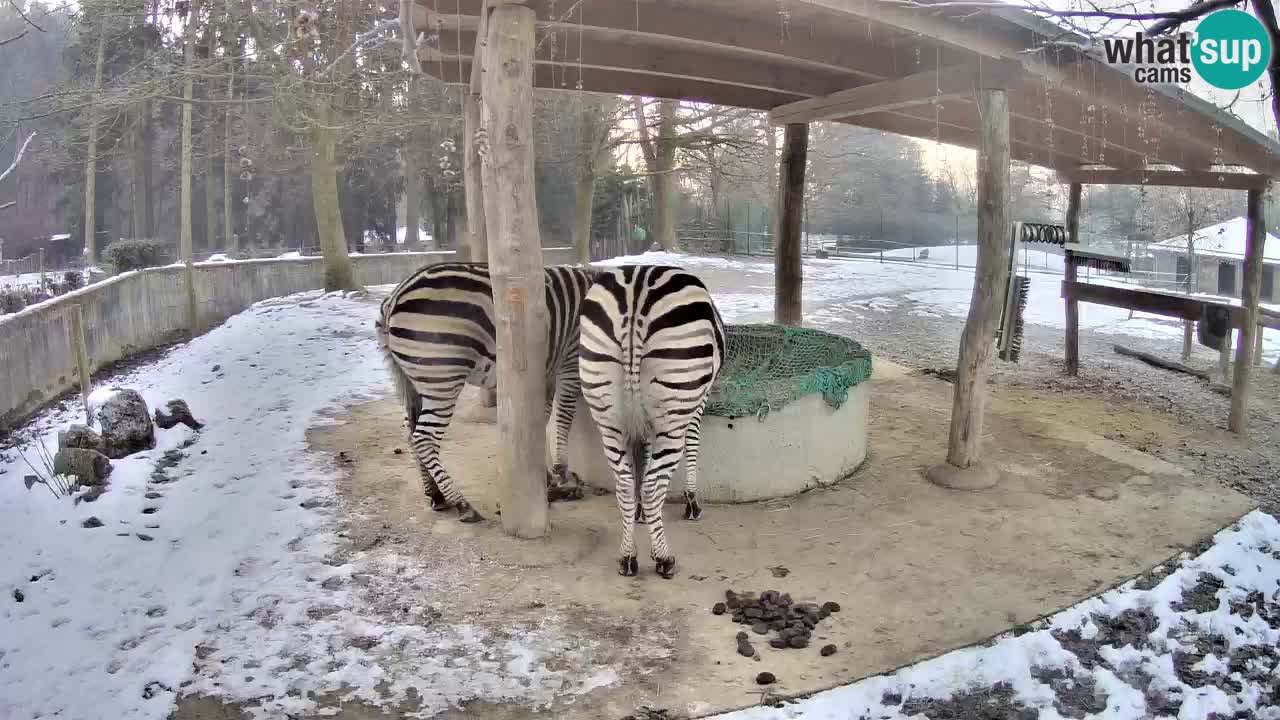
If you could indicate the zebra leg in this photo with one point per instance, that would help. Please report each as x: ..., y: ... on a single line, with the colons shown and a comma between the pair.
x: 662, y: 456
x: 692, y: 444
x: 428, y: 431
x: 561, y: 483
x: 628, y: 508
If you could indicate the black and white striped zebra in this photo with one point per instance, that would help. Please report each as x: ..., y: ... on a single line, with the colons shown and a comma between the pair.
x: 652, y: 344
x: 436, y: 330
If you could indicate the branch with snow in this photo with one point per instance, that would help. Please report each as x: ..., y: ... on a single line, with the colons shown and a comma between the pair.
x: 363, y: 39
x: 409, y: 44
x: 17, y: 158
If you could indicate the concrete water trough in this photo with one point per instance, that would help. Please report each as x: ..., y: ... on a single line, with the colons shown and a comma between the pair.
x: 787, y: 414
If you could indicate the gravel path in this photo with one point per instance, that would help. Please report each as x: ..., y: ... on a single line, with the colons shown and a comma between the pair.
x: 909, y: 335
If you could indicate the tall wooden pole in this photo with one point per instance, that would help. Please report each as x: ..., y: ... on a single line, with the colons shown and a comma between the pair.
x: 961, y: 470
x: 788, y: 267
x: 1257, y: 224
x: 515, y: 264
x: 1069, y: 275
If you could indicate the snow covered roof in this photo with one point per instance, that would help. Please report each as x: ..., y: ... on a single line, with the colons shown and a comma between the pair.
x: 1226, y: 239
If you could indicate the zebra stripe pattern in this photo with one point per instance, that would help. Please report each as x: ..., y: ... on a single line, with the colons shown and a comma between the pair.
x: 436, y: 330
x: 652, y: 344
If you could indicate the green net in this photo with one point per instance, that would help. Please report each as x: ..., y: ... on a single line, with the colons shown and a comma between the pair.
x: 768, y: 366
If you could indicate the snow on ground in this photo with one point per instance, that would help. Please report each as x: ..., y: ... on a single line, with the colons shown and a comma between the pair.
x: 837, y: 289
x: 219, y: 548
x: 1200, y: 641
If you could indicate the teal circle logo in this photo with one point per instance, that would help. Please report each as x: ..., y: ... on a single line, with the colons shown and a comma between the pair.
x: 1232, y: 49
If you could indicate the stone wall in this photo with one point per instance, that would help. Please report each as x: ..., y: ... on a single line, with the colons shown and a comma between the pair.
x: 137, y: 311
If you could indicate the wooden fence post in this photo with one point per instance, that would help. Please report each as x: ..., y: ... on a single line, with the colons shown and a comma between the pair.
x: 76, y: 330
x: 1069, y: 275
x: 515, y: 266
x: 788, y: 266
x: 961, y: 470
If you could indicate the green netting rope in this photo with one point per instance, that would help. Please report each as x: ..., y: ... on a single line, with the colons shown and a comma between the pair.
x: 768, y: 366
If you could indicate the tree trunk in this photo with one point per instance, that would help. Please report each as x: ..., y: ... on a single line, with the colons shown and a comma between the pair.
x: 515, y: 259
x: 211, y: 147
x: 412, y: 199
x: 788, y: 263
x: 91, y: 165
x: 228, y: 169
x: 969, y: 406
x: 186, y: 168
x: 664, y: 213
x: 585, y: 193
x: 472, y: 170
x: 339, y: 273
x: 139, y: 205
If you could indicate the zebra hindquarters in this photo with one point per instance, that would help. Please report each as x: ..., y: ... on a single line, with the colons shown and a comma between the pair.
x: 676, y: 372
x: 604, y: 384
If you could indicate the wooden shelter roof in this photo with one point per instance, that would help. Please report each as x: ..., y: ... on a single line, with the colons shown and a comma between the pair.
x: 870, y: 63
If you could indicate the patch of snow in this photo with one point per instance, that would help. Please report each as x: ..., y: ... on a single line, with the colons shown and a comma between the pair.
x: 238, y: 586
x: 290, y: 254
x: 218, y: 257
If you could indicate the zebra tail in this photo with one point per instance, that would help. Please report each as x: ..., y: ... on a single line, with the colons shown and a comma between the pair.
x: 409, y: 396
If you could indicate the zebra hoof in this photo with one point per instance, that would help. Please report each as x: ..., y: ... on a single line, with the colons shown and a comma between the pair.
x: 439, y: 504
x: 468, y: 514
x: 628, y: 567
x: 692, y: 511
x: 666, y: 568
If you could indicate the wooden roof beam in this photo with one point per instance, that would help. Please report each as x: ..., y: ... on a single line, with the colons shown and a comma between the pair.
x: 622, y: 82
x: 693, y: 62
x: 1232, y: 180
x: 686, y: 25
x: 918, y: 89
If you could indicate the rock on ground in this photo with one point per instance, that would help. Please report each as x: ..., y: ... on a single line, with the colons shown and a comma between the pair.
x: 90, y: 467
x: 126, y: 425
x: 178, y: 412
x: 79, y: 436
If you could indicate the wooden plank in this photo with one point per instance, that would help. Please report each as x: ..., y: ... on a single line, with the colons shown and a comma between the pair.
x: 788, y: 265
x: 1168, y: 178
x: 969, y: 404
x: 1238, y: 420
x: 1072, y: 360
x: 1160, y: 362
x: 515, y: 262
x: 602, y: 49
x: 618, y: 82
x: 1182, y: 307
x: 935, y: 85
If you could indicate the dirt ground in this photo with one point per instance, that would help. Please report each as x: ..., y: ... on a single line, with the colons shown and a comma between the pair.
x: 917, y: 570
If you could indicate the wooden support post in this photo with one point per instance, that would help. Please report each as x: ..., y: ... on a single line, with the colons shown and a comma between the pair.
x: 76, y: 330
x: 788, y: 268
x: 1257, y: 231
x: 962, y: 471
x: 1069, y: 274
x: 515, y: 264
x: 1257, y: 346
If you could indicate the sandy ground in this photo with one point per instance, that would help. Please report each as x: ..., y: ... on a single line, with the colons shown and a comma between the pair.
x: 917, y: 570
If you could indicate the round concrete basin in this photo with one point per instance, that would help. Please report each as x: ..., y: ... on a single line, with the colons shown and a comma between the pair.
x: 802, y: 444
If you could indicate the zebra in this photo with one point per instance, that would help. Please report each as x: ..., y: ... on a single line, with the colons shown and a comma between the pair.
x: 436, y: 331
x: 652, y: 344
